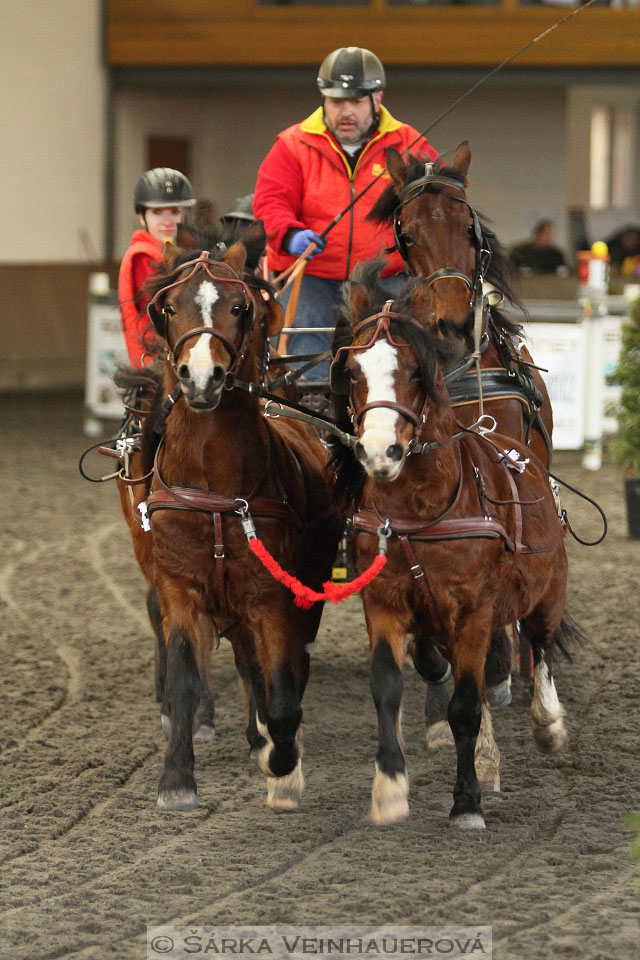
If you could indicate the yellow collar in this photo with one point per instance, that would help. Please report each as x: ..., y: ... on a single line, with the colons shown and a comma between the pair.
x: 315, y: 123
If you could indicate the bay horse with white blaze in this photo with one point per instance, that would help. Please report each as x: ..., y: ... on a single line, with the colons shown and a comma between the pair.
x: 442, y: 238
x: 143, y: 395
x: 474, y: 541
x: 220, y: 469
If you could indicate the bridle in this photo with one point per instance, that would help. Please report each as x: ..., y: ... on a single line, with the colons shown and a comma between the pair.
x: 160, y: 317
x: 339, y: 373
x: 483, y: 251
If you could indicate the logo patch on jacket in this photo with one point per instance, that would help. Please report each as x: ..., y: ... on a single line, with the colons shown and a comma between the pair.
x: 379, y: 171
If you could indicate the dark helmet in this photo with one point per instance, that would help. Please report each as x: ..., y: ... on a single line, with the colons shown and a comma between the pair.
x: 241, y: 209
x: 162, y: 187
x: 351, y: 72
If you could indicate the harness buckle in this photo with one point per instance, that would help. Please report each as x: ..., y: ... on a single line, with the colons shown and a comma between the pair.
x: 384, y: 532
x: 272, y: 416
x: 246, y: 519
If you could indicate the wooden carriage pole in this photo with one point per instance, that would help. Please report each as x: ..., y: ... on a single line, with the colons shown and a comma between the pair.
x: 294, y: 274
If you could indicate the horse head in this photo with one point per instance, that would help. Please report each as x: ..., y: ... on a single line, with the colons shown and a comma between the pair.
x: 390, y: 371
x: 205, y: 312
x: 438, y: 232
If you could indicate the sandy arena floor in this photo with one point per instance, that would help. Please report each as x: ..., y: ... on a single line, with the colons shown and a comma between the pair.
x: 87, y: 859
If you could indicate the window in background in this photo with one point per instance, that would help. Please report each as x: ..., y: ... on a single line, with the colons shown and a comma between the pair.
x: 613, y: 131
x: 599, y: 158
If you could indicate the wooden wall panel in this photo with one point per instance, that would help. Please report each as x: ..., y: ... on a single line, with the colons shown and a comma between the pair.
x: 194, y: 33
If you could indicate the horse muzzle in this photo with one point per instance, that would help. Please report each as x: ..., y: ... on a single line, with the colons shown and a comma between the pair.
x: 202, y: 389
x: 381, y: 464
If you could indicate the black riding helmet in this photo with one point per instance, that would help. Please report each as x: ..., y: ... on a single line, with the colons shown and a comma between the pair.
x: 162, y: 187
x: 351, y: 72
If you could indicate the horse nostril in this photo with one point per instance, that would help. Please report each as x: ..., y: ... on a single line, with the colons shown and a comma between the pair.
x: 394, y: 452
x: 218, y: 374
x: 183, y: 372
x: 359, y: 452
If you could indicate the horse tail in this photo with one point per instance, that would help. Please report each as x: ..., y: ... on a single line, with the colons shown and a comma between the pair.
x: 569, y: 636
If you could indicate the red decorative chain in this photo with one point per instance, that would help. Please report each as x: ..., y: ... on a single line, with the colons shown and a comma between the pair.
x: 305, y: 597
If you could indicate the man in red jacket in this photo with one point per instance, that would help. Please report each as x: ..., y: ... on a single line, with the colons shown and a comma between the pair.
x: 313, y: 171
x: 160, y: 197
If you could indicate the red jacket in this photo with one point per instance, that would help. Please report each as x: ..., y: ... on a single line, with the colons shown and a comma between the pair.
x: 305, y: 180
x: 138, y: 263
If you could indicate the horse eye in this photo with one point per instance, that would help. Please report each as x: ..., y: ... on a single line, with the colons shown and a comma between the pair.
x: 168, y: 309
x: 237, y: 309
x: 470, y: 230
x: 407, y: 238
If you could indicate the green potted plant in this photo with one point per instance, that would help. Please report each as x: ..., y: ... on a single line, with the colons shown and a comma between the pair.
x: 626, y: 446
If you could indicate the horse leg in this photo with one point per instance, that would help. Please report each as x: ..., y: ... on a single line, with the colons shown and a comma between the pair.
x: 251, y: 683
x: 465, y: 718
x: 207, y: 634
x: 160, y: 646
x: 497, y: 670
x: 435, y: 670
x: 177, y: 787
x: 204, y: 728
x: 390, y: 785
x: 285, y: 671
x: 547, y: 713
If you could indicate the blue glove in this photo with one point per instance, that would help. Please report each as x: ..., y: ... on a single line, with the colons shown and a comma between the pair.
x: 301, y: 239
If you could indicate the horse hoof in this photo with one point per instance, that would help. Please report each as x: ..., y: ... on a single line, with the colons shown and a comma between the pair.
x: 439, y: 735
x: 389, y: 802
x: 166, y: 725
x: 205, y: 732
x: 551, y: 738
x: 177, y: 799
x: 285, y: 793
x: 499, y: 696
x: 468, y: 821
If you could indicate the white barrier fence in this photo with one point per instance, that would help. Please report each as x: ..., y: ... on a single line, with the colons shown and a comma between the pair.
x: 557, y: 338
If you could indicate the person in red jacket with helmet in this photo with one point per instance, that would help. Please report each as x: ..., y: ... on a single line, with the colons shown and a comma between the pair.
x: 314, y: 170
x: 160, y: 196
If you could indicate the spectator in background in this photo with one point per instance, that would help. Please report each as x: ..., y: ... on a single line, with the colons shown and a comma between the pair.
x: 539, y: 254
x: 160, y: 197
x: 625, y: 243
x: 240, y: 213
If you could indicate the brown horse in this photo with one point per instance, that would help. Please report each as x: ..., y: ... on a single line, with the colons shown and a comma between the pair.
x: 221, y: 466
x: 443, y: 239
x: 474, y: 543
x: 142, y: 393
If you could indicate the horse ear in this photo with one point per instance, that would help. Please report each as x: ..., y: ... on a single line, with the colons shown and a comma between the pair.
x: 359, y: 302
x: 236, y: 257
x: 462, y: 158
x: 170, y: 254
x: 396, y: 167
x: 185, y: 238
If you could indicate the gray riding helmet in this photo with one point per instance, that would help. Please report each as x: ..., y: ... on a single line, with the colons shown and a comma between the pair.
x: 351, y: 72
x: 162, y: 187
x: 241, y: 209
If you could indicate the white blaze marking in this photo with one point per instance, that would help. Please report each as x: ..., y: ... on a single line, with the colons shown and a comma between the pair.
x: 200, y: 362
x: 378, y: 365
x: 205, y: 298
